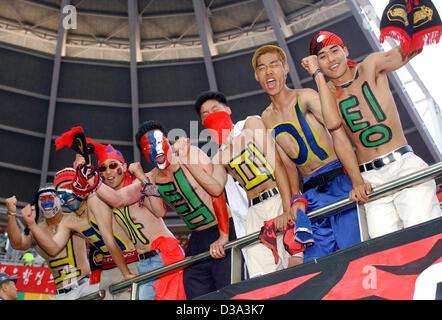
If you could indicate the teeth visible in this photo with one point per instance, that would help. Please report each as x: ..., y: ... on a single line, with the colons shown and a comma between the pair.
x: 270, y: 80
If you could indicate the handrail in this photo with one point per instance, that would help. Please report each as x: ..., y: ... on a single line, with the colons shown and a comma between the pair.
x: 414, y: 178
x: 98, y: 295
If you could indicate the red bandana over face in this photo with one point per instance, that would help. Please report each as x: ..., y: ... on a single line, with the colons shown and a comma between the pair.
x: 220, y: 125
x: 324, y: 39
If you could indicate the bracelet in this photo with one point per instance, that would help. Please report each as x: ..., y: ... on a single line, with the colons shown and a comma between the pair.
x: 316, y: 73
x: 10, y: 213
x: 299, y: 198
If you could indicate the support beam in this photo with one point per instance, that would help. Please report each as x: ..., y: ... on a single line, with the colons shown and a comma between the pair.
x: 59, y: 50
x: 135, y: 56
x: 397, y: 85
x: 206, y: 36
x: 288, y: 32
x: 275, y: 21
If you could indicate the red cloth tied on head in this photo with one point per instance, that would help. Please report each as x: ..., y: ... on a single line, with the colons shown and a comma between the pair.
x: 103, y: 153
x: 64, y: 175
x: 324, y: 39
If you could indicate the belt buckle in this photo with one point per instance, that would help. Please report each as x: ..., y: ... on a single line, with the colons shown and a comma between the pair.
x: 397, y: 155
x: 381, y: 161
x: 260, y: 197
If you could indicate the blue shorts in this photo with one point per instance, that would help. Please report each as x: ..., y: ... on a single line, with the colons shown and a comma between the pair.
x: 146, y: 291
x: 337, y: 231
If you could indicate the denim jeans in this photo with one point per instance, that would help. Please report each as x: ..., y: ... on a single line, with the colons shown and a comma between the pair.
x: 146, y: 290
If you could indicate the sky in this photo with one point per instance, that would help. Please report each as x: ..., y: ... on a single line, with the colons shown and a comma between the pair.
x: 428, y: 66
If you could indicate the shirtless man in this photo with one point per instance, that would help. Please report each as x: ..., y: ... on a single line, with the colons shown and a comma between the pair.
x: 70, y: 268
x: 295, y: 118
x: 210, y: 228
x: 368, y: 114
x: 92, y: 220
x: 8, y: 290
x: 148, y: 233
x: 248, y: 154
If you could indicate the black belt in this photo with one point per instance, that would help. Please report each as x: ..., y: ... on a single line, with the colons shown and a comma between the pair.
x: 323, y: 178
x: 147, y: 255
x: 73, y: 286
x: 389, y: 158
x: 263, y: 196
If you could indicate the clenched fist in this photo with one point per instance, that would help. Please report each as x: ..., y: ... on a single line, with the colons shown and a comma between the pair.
x: 11, y: 205
x: 310, y: 64
x: 137, y: 170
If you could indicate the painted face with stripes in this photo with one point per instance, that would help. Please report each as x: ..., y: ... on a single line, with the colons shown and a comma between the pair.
x: 49, y: 203
x: 156, y: 149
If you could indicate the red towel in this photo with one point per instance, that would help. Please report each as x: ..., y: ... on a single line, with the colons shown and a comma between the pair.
x: 169, y: 286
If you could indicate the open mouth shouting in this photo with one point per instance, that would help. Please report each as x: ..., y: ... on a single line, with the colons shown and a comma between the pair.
x: 271, y: 83
x: 160, y: 159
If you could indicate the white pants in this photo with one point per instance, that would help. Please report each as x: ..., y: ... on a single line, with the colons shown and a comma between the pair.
x: 260, y: 258
x: 405, y: 208
x: 112, y: 276
x: 78, y: 292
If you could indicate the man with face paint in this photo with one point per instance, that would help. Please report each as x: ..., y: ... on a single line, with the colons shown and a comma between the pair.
x: 154, y: 242
x: 93, y: 220
x: 296, y: 121
x: 357, y: 102
x: 207, y: 218
x: 70, y: 268
x: 249, y: 155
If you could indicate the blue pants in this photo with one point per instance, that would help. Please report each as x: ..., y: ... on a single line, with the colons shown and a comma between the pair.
x: 146, y: 290
x: 337, y: 231
x: 209, y: 275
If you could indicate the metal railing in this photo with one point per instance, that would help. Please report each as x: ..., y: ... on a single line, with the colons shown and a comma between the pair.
x: 378, y: 192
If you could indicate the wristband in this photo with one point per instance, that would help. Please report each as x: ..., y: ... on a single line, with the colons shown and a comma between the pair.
x: 221, y: 213
x: 316, y: 73
x: 299, y: 198
x: 10, y: 213
x: 148, y: 190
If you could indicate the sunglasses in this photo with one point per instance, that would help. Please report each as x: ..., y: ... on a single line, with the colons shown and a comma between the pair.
x: 112, y: 166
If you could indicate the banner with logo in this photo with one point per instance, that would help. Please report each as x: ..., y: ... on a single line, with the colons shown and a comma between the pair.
x: 34, y: 283
x: 403, y: 265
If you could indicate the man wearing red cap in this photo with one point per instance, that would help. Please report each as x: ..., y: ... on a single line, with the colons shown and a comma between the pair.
x: 148, y: 233
x: 70, y: 267
x: 92, y: 219
x: 295, y: 118
x: 357, y: 101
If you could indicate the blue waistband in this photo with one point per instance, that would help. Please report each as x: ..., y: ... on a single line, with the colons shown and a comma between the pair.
x: 335, y: 164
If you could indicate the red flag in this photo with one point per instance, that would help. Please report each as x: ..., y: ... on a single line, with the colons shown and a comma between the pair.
x: 73, y: 139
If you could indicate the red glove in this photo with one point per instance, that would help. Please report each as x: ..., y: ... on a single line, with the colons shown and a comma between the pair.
x: 81, y: 186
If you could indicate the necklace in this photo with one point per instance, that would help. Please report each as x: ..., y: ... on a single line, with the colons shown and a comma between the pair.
x: 349, y: 82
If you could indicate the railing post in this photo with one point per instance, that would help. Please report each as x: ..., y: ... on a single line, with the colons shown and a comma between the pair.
x: 134, y: 292
x: 235, y: 265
